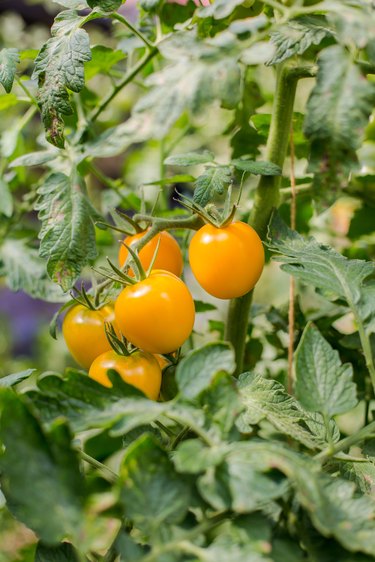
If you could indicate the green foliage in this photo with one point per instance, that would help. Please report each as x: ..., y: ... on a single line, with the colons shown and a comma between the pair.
x: 323, y: 383
x: 67, y: 234
x: 59, y: 68
x: 337, y: 112
x: 49, y: 463
x: 9, y: 58
x: 295, y: 37
x: 228, y: 465
x: 211, y: 183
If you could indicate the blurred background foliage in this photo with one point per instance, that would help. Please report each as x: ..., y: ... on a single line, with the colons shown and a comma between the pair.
x: 348, y: 224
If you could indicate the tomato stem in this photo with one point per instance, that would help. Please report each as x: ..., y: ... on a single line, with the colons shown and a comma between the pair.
x: 267, y: 195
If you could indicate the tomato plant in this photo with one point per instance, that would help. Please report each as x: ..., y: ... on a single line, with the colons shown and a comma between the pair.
x: 156, y: 314
x: 242, y: 126
x: 228, y: 261
x: 139, y: 369
x: 84, y: 332
x: 168, y: 257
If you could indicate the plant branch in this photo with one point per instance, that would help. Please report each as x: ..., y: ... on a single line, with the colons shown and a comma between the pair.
x: 133, y: 29
x: 266, y: 198
x: 129, y: 76
x: 347, y: 442
x: 291, y: 312
x: 112, y: 476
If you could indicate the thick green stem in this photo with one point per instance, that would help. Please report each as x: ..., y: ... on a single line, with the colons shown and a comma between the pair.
x: 347, y: 442
x: 266, y: 198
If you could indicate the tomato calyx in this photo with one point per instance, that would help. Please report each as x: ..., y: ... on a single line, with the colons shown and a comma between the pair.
x: 210, y: 214
x: 118, y: 344
x: 119, y: 276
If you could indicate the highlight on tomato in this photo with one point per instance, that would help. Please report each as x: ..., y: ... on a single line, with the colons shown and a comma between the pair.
x: 156, y: 314
x: 169, y: 256
x: 227, y: 261
x: 84, y: 332
x: 140, y: 369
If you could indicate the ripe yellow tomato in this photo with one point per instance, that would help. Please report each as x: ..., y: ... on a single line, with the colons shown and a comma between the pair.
x: 84, y: 334
x: 227, y: 262
x: 140, y: 369
x: 169, y: 256
x: 156, y: 314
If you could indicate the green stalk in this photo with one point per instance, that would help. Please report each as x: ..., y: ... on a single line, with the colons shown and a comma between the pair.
x: 266, y: 198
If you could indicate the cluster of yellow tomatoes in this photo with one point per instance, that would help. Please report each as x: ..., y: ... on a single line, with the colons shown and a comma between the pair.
x: 156, y: 315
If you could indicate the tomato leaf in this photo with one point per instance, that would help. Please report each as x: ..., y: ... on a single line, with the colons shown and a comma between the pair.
x: 153, y: 494
x: 59, y: 67
x: 67, y: 234
x: 296, y: 36
x: 105, y: 5
x: 190, y: 158
x: 325, y: 269
x: 220, y: 9
x: 211, y: 183
x: 323, y: 383
x: 102, y: 60
x: 24, y: 269
x: 196, y: 371
x: 15, y: 378
x: 268, y: 399
x: 257, y: 168
x: 9, y: 58
x: 46, y: 460
x: 64, y: 552
x: 337, y: 112
x: 6, y: 199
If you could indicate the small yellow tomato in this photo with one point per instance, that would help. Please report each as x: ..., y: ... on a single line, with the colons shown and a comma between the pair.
x: 84, y: 333
x: 227, y: 262
x: 156, y: 314
x: 140, y: 369
x: 169, y: 256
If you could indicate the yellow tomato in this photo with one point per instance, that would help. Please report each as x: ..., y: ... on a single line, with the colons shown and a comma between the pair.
x: 227, y: 262
x: 156, y: 314
x: 84, y: 334
x: 140, y: 369
x: 169, y: 256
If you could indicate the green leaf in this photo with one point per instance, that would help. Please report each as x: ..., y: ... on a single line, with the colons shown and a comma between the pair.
x: 9, y: 58
x: 40, y: 475
x: 267, y: 399
x: 35, y: 158
x: 193, y: 457
x: 102, y: 61
x: 105, y: 5
x: 198, y: 75
x: 222, y: 405
x: 337, y: 112
x: 179, y: 178
x: 258, y: 168
x: 247, y: 538
x: 151, y: 6
x: 6, y: 199
x: 201, y: 306
x: 325, y: 269
x: 87, y: 404
x: 220, y: 9
x: 190, y: 158
x: 64, y: 552
x: 15, y: 378
x: 323, y: 383
x: 196, y: 371
x: 353, y: 23
x: 152, y: 492
x: 59, y: 67
x: 25, y: 270
x: 210, y: 184
x: 296, y: 36
x: 67, y: 234
x: 362, y: 473
x: 8, y: 100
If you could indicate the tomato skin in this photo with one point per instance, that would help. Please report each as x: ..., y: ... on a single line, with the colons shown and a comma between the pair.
x: 169, y: 255
x: 140, y: 369
x: 84, y: 334
x: 227, y: 262
x: 156, y: 314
